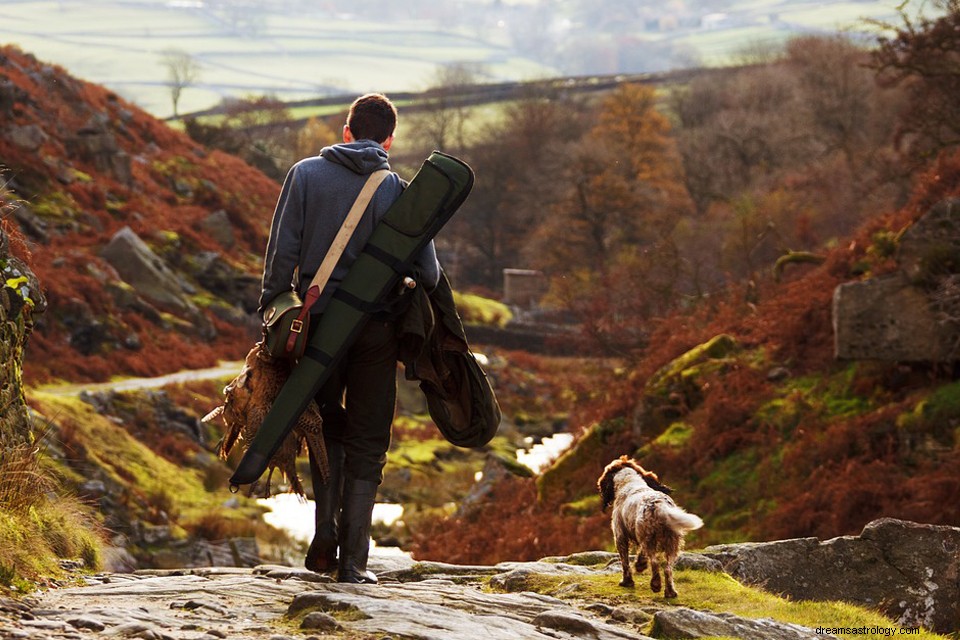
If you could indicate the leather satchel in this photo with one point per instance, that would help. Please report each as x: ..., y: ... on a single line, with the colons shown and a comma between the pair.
x: 286, y: 319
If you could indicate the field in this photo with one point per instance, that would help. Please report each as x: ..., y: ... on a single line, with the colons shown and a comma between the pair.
x: 119, y: 44
x: 293, y: 50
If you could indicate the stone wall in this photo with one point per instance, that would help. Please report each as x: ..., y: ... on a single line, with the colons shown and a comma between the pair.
x: 20, y: 298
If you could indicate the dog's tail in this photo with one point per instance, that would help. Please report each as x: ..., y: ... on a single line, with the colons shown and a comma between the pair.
x: 678, y: 519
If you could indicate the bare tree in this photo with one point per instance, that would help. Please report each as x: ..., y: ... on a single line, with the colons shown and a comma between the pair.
x: 182, y: 71
x: 442, y: 123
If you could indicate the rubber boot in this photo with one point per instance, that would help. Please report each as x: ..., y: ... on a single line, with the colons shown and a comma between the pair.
x: 322, y: 554
x: 359, y: 497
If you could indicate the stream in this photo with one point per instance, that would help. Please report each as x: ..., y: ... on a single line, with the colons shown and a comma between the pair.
x: 295, y: 515
x: 287, y: 511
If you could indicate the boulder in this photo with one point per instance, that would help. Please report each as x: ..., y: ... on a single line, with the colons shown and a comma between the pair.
x: 909, y: 571
x: 225, y: 281
x: 690, y: 623
x: 96, y: 144
x: 146, y: 272
x: 675, y: 389
x: 893, y: 317
x: 888, y: 319
x: 235, y: 552
x: 442, y: 610
x: 20, y: 299
x: 217, y: 226
x: 28, y: 137
x: 931, y: 245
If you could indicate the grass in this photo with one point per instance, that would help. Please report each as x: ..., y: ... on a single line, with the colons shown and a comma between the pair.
x: 719, y: 593
x: 39, y: 524
x: 157, y: 483
x: 476, y: 309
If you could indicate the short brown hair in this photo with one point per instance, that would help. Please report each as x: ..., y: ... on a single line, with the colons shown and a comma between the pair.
x: 372, y: 117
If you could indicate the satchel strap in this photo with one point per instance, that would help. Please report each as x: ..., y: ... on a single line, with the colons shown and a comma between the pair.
x: 340, y: 242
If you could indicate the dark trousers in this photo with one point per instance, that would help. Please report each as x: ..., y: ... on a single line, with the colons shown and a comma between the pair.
x: 357, y: 403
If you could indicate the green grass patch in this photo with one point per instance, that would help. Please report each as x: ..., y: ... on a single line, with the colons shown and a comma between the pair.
x: 476, y: 309
x: 676, y: 436
x: 159, y: 483
x: 39, y: 524
x: 715, y: 592
x: 937, y: 415
x: 824, y: 397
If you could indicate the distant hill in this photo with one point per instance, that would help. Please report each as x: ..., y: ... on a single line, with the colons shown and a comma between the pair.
x: 294, y: 49
x: 80, y: 164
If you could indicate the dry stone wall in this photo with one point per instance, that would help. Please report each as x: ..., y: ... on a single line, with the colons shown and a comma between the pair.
x: 20, y: 299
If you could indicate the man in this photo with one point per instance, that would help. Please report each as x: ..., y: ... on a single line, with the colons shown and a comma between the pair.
x: 357, y: 403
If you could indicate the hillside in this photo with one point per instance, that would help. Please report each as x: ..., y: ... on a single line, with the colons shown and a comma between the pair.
x: 80, y: 164
x: 739, y: 404
x: 743, y: 408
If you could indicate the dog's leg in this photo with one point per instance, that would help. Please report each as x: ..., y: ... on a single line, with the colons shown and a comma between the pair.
x: 623, y: 548
x: 641, y: 564
x: 669, y: 591
x: 655, y: 583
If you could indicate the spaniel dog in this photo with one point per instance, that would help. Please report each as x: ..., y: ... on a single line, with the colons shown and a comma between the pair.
x: 644, y: 514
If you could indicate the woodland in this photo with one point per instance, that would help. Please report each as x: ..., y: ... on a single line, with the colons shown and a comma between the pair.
x: 662, y: 216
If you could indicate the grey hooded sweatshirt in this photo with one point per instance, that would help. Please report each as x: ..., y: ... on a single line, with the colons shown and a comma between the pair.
x: 317, y: 194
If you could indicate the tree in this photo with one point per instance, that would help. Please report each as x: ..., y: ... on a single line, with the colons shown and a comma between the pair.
x: 519, y: 161
x: 782, y: 157
x: 182, y: 71
x: 441, y: 124
x: 315, y: 135
x: 924, y: 56
x: 256, y: 128
x: 623, y: 186
x: 607, y: 243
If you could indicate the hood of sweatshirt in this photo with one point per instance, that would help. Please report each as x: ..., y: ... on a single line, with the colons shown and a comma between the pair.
x: 362, y: 156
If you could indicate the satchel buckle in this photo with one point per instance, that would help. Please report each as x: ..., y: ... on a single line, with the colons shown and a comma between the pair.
x: 296, y: 326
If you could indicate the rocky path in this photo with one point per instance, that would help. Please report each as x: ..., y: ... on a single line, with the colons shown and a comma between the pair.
x: 425, y: 600
x: 222, y: 370
x: 919, y: 564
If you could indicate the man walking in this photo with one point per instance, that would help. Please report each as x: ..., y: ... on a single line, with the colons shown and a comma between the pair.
x: 357, y: 402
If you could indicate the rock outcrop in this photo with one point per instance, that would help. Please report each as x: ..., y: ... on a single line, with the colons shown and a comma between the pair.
x: 909, y: 571
x: 894, y: 317
x: 20, y: 298
x: 508, y: 601
x: 150, y: 276
x: 682, y: 622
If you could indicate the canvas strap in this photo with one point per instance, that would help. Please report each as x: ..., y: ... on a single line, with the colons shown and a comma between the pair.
x: 340, y: 242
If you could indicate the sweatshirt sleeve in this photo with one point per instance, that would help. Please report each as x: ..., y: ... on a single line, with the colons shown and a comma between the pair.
x: 283, y: 247
x: 428, y: 266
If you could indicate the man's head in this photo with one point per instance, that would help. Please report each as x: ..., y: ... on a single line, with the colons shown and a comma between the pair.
x: 371, y: 117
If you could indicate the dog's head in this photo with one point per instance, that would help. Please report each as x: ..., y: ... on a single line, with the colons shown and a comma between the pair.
x: 605, y: 483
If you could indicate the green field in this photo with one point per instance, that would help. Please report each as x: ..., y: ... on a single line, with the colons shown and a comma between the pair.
x: 310, y: 53
x: 119, y: 44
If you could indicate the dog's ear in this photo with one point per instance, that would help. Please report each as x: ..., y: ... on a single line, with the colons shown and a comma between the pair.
x: 605, y: 486
x: 654, y: 483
